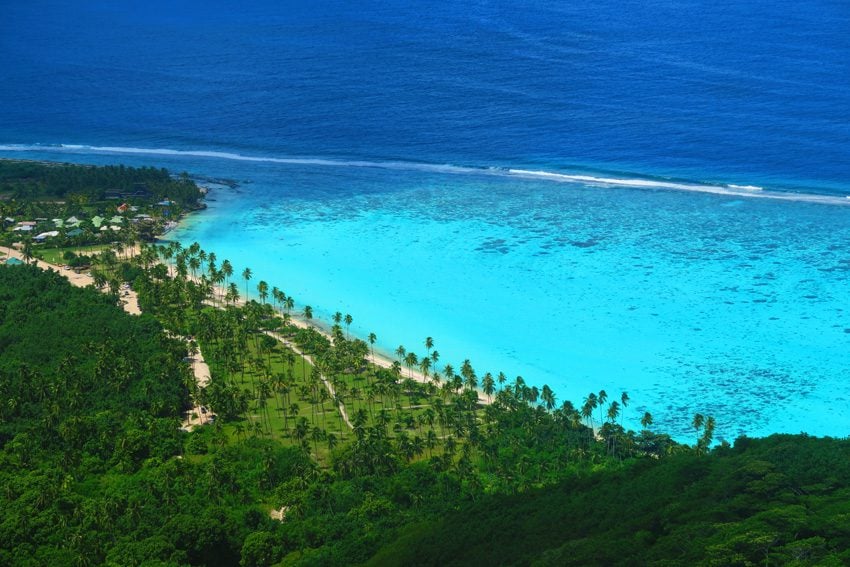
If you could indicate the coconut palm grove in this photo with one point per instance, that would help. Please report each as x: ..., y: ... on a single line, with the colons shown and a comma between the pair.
x: 302, y: 446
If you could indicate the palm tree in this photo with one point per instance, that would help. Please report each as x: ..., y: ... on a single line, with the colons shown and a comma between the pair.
x: 276, y: 295
x: 708, y: 434
x: 624, y: 398
x: 410, y: 360
x: 425, y: 366
x: 590, y: 403
x: 317, y: 435
x: 430, y: 440
x: 308, y: 312
x: 232, y: 293
x: 218, y: 279
x: 227, y: 270
x: 519, y: 387
x: 302, y: 428
x: 548, y: 397
x: 501, y: 378
x: 613, y: 411
x: 372, y: 339
x: 263, y: 291
x: 646, y: 420
x: 533, y: 395
x: 470, y: 380
x: 429, y: 344
x: 435, y: 357
x: 27, y: 251
x: 246, y: 275
x: 348, y: 320
x: 488, y: 385
x: 194, y: 265
x: 600, y: 400
x: 698, y: 421
x: 400, y: 352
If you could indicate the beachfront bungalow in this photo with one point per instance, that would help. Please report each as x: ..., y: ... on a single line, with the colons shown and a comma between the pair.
x: 73, y: 222
x: 122, y: 208
x: 97, y: 220
x: 45, y: 235
x: 58, y: 223
x: 116, y: 220
x: 75, y: 232
x: 23, y: 228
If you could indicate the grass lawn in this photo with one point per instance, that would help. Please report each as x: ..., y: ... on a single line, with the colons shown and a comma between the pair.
x: 56, y: 255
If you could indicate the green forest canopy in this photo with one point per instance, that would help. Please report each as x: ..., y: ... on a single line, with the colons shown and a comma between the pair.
x: 32, y: 180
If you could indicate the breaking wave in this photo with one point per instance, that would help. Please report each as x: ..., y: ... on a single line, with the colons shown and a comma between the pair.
x: 582, y: 179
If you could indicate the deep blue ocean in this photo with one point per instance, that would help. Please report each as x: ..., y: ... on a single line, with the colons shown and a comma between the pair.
x: 645, y: 196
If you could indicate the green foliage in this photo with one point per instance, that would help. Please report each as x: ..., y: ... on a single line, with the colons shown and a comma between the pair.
x: 762, y: 503
x: 31, y: 180
x: 92, y: 464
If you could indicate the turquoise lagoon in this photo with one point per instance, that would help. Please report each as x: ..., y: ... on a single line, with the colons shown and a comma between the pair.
x: 732, y: 305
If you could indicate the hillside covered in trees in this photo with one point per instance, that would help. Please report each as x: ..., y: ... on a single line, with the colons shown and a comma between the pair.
x: 782, y: 500
x: 96, y: 469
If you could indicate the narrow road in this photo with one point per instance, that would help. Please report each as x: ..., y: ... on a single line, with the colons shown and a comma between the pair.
x: 286, y: 342
x: 292, y: 346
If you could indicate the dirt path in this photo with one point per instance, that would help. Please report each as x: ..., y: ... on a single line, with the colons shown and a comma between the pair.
x: 128, y: 297
x: 286, y: 342
x: 198, y: 415
x: 376, y: 359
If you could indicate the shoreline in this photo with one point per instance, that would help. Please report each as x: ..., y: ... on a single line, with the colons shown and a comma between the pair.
x: 375, y: 356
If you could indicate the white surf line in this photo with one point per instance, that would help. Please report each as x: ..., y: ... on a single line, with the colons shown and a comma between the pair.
x: 732, y: 190
x: 729, y: 189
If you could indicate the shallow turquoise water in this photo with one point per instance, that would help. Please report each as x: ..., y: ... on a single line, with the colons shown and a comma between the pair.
x: 732, y: 306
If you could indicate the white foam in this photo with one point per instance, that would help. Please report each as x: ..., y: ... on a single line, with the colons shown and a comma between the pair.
x: 614, y: 181
x: 745, y: 187
x: 729, y: 189
x: 77, y: 148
